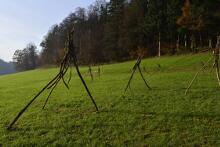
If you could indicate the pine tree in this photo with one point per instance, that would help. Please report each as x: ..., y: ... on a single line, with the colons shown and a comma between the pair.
x: 112, y: 30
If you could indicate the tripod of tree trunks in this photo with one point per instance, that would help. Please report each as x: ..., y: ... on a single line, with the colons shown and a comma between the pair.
x: 135, y: 68
x: 70, y: 57
x: 215, y: 58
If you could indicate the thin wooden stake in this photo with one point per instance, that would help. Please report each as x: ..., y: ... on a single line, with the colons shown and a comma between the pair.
x: 216, y: 56
x: 217, y: 73
x: 99, y: 71
x: 90, y: 72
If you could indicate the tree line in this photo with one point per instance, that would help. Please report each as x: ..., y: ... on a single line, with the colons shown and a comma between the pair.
x: 119, y: 30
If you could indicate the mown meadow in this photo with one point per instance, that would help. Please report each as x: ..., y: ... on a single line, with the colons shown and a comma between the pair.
x: 163, y: 116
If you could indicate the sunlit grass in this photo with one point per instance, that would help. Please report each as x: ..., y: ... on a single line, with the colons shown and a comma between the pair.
x: 163, y: 116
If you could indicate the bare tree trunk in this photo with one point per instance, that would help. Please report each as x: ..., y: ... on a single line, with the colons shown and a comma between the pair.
x: 90, y: 72
x: 185, y: 42
x: 178, y: 43
x: 200, y: 39
x: 216, y: 56
x: 192, y: 43
x: 210, y: 43
x: 99, y: 71
x: 159, y: 45
x: 217, y: 73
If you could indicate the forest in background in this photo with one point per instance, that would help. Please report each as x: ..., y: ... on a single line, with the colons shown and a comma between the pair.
x: 119, y: 30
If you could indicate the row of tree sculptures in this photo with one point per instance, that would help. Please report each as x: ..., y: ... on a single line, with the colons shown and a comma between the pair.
x: 70, y: 57
x: 214, y: 58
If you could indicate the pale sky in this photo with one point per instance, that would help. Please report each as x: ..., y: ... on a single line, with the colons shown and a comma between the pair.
x: 24, y: 21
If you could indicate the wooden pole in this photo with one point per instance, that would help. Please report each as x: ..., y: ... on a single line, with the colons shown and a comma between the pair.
x: 217, y: 73
x: 99, y: 71
x: 90, y: 72
x: 185, y: 42
x: 178, y: 43
x: 210, y: 43
x: 159, y: 45
x: 216, y: 56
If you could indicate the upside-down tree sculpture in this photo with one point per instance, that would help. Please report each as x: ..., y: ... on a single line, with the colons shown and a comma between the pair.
x: 215, y: 58
x: 69, y: 58
x: 135, y: 68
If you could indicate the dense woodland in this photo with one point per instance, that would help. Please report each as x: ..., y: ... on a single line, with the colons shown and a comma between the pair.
x: 119, y: 30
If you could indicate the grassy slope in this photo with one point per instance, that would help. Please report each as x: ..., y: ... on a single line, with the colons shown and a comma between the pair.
x: 162, y: 116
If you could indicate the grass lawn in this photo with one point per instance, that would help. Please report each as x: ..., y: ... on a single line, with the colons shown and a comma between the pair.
x: 163, y: 116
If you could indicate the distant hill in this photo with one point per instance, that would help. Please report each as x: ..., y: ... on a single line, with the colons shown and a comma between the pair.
x: 6, y: 68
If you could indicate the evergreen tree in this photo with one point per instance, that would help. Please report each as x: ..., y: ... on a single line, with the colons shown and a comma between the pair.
x: 112, y: 30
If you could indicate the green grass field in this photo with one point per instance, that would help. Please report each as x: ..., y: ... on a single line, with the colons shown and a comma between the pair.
x: 163, y: 116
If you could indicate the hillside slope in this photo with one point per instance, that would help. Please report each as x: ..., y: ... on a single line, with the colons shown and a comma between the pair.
x: 163, y: 116
x: 6, y: 68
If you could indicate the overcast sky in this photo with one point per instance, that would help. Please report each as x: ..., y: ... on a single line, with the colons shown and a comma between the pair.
x: 24, y: 21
